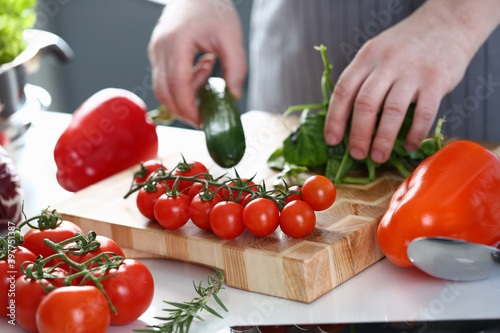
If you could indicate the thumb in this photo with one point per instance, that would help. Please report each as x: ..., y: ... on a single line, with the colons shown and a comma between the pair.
x: 202, y: 70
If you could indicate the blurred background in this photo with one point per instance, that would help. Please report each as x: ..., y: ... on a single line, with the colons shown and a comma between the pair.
x: 109, y: 39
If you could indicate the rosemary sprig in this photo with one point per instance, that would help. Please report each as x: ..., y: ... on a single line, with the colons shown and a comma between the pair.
x: 183, y: 314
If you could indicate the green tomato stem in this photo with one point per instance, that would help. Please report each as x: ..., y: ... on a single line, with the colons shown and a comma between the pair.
x: 37, y: 270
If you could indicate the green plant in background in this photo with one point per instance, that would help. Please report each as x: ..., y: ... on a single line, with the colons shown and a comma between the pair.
x: 15, y: 17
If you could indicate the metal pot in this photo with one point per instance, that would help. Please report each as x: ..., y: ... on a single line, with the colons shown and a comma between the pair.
x: 15, y: 94
x: 12, y: 74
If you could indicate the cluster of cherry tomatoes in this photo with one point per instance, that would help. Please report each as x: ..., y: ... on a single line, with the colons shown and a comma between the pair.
x: 64, y: 298
x: 229, y: 206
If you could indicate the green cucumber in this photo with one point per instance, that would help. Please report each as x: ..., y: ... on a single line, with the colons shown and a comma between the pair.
x: 221, y: 122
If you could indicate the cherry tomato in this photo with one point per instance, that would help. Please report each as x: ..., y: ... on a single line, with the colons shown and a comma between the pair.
x: 261, y: 216
x: 232, y: 195
x: 7, y: 289
x: 297, y: 219
x: 172, y: 212
x: 147, y: 168
x: 226, y: 219
x: 33, y: 239
x: 294, y: 196
x: 194, y: 190
x: 246, y: 198
x: 197, y: 187
x: 10, y: 269
x: 199, y: 211
x: 28, y: 294
x: 189, y: 170
x: 73, y: 309
x: 131, y: 291
x: 145, y: 200
x: 17, y: 257
x: 107, y: 245
x: 319, y: 192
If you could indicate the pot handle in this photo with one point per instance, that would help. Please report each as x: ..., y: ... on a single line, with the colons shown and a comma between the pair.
x: 44, y: 41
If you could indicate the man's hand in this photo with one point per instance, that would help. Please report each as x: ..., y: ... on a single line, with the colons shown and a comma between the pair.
x: 186, y: 28
x: 419, y: 60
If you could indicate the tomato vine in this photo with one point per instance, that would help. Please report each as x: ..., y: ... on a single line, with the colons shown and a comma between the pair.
x: 224, y: 183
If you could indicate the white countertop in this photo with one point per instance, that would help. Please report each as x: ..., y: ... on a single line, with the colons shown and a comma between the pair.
x: 381, y: 293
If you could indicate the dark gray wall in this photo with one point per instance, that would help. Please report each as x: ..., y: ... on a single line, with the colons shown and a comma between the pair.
x: 109, y: 39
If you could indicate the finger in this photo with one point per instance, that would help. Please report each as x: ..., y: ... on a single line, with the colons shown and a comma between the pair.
x: 234, y: 64
x: 180, y: 75
x: 160, y: 78
x: 425, y: 112
x: 202, y: 70
x: 393, y: 114
x: 160, y: 87
x: 366, y: 108
x: 341, y: 104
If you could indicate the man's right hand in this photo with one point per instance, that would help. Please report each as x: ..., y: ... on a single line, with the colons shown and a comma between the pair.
x: 186, y: 28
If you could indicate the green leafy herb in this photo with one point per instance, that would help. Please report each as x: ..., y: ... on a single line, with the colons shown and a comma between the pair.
x: 305, y: 149
x: 15, y: 17
x: 182, y: 314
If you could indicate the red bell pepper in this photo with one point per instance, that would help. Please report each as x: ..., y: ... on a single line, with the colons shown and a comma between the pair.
x: 108, y: 133
x: 453, y: 193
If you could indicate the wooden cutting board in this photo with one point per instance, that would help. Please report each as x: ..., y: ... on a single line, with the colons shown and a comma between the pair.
x: 342, y: 244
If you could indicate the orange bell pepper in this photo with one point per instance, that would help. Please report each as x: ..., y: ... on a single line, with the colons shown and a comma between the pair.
x: 453, y: 193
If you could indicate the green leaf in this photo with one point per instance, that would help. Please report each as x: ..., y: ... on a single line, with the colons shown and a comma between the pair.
x: 178, y: 305
x: 217, y: 299
x: 276, y: 160
x: 188, y: 323
x: 212, y: 311
x: 306, y: 146
x: 332, y: 168
x: 292, y: 171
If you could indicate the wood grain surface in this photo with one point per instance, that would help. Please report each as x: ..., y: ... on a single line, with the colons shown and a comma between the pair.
x: 341, y: 246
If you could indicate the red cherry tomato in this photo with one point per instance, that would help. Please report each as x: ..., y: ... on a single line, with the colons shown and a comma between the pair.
x: 172, y: 212
x: 246, y: 198
x: 17, y: 257
x: 145, y: 200
x: 33, y: 239
x: 226, y: 219
x: 294, y: 196
x: 319, y: 192
x: 297, y: 219
x: 194, y: 190
x: 199, y: 211
x: 197, y: 187
x: 28, y: 295
x: 147, y: 168
x: 131, y: 291
x: 232, y: 195
x: 10, y: 269
x: 5, y: 288
x: 73, y: 309
x: 107, y: 245
x: 261, y: 216
x: 189, y: 170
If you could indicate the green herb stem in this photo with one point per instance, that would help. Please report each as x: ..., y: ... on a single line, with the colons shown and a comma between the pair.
x: 102, y: 262
x: 182, y: 315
